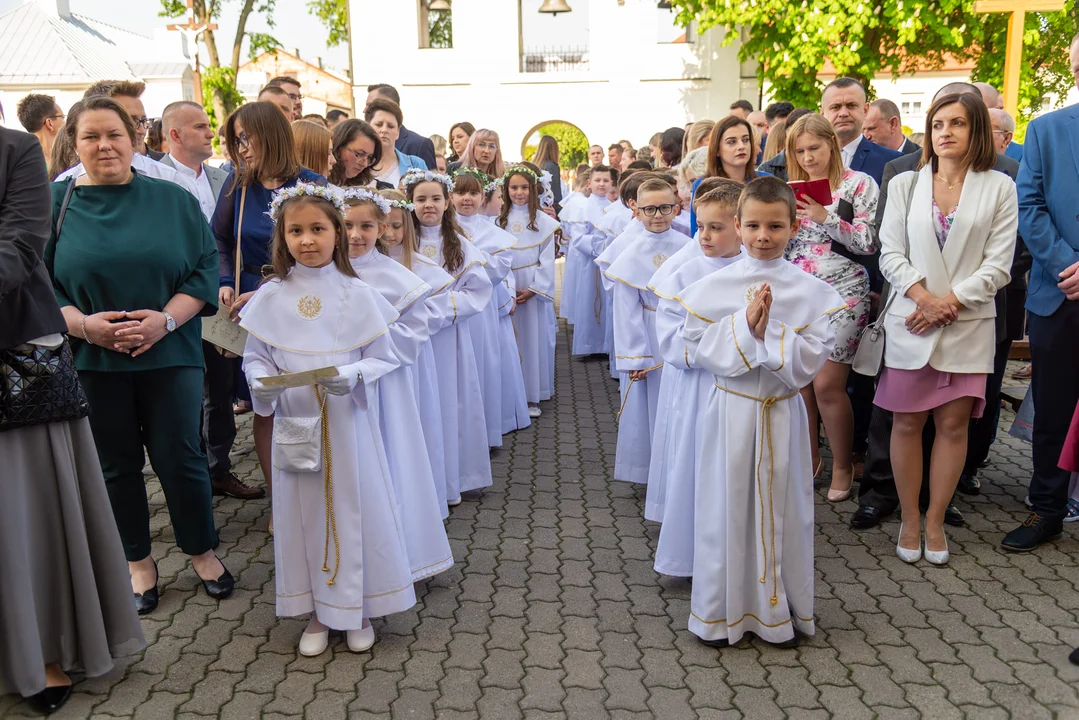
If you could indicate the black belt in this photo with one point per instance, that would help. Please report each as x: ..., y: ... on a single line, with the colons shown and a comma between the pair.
x: 257, y: 270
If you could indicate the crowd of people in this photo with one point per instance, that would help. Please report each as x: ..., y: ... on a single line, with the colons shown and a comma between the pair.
x: 397, y: 294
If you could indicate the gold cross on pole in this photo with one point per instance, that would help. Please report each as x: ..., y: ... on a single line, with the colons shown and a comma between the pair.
x: 191, y: 31
x: 1013, y: 54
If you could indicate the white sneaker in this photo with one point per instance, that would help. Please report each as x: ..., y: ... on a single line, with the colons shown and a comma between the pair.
x: 534, y: 411
x: 360, y: 640
x: 1028, y: 503
x: 312, y: 644
x: 454, y: 503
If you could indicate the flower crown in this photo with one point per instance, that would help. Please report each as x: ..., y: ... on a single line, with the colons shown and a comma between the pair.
x: 305, y: 189
x: 483, y: 178
x: 492, y: 186
x: 546, y: 194
x: 402, y: 205
x: 362, y: 193
x: 416, y: 176
x: 520, y: 170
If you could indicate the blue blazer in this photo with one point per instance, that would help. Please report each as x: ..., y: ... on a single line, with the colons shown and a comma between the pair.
x: 871, y: 158
x: 411, y: 143
x: 1014, y: 151
x: 409, y: 162
x: 1048, y: 184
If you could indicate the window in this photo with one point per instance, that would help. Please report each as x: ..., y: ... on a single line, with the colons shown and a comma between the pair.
x: 435, y: 24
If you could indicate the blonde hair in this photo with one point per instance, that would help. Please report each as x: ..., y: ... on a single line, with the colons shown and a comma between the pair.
x: 440, y: 145
x: 313, y: 143
x: 777, y: 140
x: 698, y: 131
x: 409, y: 243
x: 816, y: 125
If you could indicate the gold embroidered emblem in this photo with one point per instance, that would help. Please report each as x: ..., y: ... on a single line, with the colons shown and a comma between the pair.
x: 516, y: 228
x: 658, y: 259
x: 429, y: 252
x: 751, y: 292
x: 309, y: 307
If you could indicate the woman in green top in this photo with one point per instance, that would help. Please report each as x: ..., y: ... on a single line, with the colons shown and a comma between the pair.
x: 134, y: 262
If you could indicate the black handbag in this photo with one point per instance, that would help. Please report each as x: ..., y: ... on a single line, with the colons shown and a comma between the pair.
x: 39, y: 385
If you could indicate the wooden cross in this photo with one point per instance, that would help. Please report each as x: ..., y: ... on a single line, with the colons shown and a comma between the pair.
x: 1014, y: 47
x: 191, y: 31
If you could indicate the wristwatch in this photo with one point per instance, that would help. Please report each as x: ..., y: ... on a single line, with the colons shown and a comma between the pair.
x: 170, y: 323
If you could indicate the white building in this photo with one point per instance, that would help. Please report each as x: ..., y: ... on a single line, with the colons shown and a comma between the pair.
x: 614, y: 68
x: 46, y: 49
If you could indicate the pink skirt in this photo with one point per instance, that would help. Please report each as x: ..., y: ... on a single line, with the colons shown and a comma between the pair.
x: 913, y: 391
x: 1069, y: 457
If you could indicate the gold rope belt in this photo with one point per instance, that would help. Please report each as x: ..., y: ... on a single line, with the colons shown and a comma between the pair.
x: 522, y: 267
x: 766, y: 432
x: 327, y: 469
x: 618, y: 417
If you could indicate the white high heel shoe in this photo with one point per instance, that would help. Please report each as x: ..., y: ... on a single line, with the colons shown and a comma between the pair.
x: 908, y: 556
x: 938, y: 558
x: 312, y: 644
x: 360, y: 640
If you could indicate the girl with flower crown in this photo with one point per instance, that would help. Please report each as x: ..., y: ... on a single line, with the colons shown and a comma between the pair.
x: 397, y: 241
x: 500, y: 369
x: 533, y: 275
x: 339, y: 553
x: 410, y: 465
x: 468, y: 461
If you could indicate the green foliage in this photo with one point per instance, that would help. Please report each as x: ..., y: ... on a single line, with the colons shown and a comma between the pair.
x: 791, y: 42
x: 572, y: 143
x: 219, y: 82
x: 259, y: 43
x: 440, y: 25
x: 334, y: 15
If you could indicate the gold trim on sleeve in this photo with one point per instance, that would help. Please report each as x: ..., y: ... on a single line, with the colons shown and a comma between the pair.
x: 734, y: 334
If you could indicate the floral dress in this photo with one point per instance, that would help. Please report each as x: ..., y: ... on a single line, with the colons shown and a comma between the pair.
x: 811, y: 250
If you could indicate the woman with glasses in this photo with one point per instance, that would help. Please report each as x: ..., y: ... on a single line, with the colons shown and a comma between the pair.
x: 357, y: 149
x: 260, y: 140
x: 483, y: 152
x: 813, y: 153
x: 386, y: 118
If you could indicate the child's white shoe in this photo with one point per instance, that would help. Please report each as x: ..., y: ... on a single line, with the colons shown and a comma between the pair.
x: 312, y: 644
x: 534, y: 411
x: 360, y: 640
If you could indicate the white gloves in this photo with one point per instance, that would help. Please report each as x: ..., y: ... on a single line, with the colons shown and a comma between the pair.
x: 344, y: 383
x: 264, y: 393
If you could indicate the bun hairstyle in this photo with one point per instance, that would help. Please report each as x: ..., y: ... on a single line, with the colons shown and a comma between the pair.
x: 507, y: 204
x: 409, y: 243
x: 280, y: 258
x: 453, y: 255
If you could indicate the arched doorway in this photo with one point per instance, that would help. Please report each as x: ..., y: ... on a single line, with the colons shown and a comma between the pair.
x: 572, y: 142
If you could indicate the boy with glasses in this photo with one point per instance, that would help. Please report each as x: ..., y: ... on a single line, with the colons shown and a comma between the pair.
x: 636, y: 346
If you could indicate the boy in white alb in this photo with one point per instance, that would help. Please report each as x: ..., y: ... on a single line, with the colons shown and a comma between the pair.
x: 762, y: 328
x: 636, y: 346
x: 581, y: 279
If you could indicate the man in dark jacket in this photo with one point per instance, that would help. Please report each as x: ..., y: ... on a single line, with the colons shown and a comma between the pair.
x: 408, y: 142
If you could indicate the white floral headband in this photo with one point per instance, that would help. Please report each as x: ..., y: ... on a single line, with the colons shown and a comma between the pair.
x: 416, y: 176
x: 360, y: 193
x: 402, y: 205
x: 492, y: 186
x: 305, y: 189
x: 546, y: 196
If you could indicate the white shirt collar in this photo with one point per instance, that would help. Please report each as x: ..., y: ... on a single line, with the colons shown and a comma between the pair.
x: 184, y: 169
x: 849, y: 150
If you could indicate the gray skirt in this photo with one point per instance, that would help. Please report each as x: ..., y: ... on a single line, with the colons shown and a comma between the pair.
x: 65, y: 592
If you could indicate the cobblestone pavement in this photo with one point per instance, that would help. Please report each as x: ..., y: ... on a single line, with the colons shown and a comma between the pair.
x: 553, y: 610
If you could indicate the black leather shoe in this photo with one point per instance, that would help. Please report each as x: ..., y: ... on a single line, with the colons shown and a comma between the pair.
x: 969, y: 484
x: 146, y: 602
x: 792, y: 643
x: 868, y: 516
x: 1034, y: 531
x: 953, y: 517
x: 50, y: 699
x: 1074, y: 657
x: 720, y: 643
x: 220, y: 588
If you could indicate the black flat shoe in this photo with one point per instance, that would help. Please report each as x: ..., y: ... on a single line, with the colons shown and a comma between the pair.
x: 720, y: 643
x: 147, y: 601
x: 953, y: 517
x: 220, y: 588
x: 786, y: 644
x: 1074, y: 657
x: 50, y: 699
x: 868, y: 516
x: 969, y: 484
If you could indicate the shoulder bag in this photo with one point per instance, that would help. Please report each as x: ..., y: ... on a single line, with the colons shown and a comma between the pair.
x: 39, y: 384
x: 869, y: 357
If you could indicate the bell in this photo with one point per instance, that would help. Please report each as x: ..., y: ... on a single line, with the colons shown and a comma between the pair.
x: 439, y: 6
x: 555, y: 6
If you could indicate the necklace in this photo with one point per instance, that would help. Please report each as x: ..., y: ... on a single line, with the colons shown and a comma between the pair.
x: 950, y: 186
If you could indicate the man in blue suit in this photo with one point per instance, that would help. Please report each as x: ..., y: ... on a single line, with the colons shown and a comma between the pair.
x: 408, y: 142
x: 1048, y: 186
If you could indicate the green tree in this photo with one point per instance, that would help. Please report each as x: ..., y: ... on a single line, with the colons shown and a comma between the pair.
x: 572, y: 144
x: 220, y: 95
x: 791, y: 43
x: 334, y: 15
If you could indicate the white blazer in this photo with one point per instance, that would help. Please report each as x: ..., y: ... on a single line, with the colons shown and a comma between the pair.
x: 974, y: 264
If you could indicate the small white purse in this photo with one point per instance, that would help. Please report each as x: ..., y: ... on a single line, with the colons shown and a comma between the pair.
x: 297, y: 441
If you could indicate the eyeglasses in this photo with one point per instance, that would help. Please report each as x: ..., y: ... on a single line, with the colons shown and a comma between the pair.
x: 1001, y: 132
x: 486, y: 146
x: 143, y: 123
x: 61, y: 116
x: 243, y: 141
x: 361, y: 156
x: 664, y: 210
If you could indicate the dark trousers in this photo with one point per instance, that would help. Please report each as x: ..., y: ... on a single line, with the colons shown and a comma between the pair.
x: 158, y: 409
x: 1054, y: 347
x: 218, y: 420
x: 983, y: 429
x: 878, y: 481
x: 861, y: 390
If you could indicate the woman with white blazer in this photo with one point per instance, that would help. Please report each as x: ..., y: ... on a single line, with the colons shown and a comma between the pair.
x: 947, y: 241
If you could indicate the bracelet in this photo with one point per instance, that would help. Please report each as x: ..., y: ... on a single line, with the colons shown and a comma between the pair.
x: 84, y: 337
